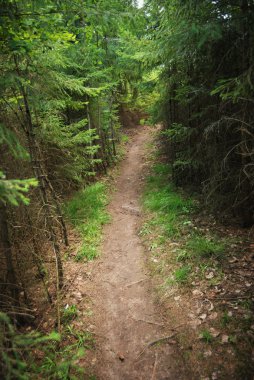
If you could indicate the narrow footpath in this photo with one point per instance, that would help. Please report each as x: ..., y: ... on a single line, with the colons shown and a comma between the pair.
x: 127, y: 318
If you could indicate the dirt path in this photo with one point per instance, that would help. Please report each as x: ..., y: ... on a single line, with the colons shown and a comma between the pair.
x: 127, y: 317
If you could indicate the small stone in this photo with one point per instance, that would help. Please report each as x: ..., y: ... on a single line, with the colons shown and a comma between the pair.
x: 214, y: 332
x: 197, y: 292
x: 121, y: 357
x: 177, y: 298
x: 224, y: 339
x: 203, y: 316
x: 207, y: 353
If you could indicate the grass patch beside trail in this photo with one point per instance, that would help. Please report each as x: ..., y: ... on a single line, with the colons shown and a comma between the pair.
x: 203, y: 247
x: 167, y: 204
x: 87, y: 212
x: 170, y: 220
x: 189, y: 254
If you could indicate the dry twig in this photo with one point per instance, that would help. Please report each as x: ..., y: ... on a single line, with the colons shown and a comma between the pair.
x: 136, y: 282
x: 153, y: 342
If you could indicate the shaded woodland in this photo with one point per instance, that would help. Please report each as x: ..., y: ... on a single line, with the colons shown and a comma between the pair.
x: 72, y: 74
x: 66, y: 75
x: 203, y: 51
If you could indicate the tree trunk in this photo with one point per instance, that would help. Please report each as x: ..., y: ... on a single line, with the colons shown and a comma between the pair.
x: 5, y: 245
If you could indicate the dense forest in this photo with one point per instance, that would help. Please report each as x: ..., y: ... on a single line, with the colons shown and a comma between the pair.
x: 203, y: 51
x: 74, y: 74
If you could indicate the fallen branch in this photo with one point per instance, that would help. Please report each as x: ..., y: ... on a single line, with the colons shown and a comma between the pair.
x: 231, y: 298
x: 136, y: 282
x: 150, y: 322
x: 153, y: 342
x: 22, y: 314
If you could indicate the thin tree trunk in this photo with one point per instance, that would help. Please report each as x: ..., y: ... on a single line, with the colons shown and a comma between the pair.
x: 6, y: 247
x: 40, y: 175
x: 39, y: 263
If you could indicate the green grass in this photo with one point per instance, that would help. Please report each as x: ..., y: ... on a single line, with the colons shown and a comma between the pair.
x: 162, y: 199
x: 171, y: 219
x: 69, y: 314
x: 182, y: 274
x: 225, y: 319
x: 206, y: 336
x: 203, y: 247
x: 87, y: 212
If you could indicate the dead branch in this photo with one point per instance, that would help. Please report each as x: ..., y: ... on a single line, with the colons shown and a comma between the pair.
x: 150, y: 322
x: 136, y: 282
x: 153, y: 342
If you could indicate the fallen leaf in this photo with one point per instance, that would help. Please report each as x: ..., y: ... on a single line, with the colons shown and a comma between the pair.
x: 213, y: 316
x: 197, y: 292
x: 214, y: 332
x: 195, y: 323
x: 207, y: 353
x: 209, y: 276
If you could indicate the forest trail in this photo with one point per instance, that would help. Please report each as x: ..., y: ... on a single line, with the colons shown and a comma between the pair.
x: 127, y: 318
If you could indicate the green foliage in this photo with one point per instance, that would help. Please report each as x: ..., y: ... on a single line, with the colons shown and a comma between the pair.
x: 206, y: 336
x: 13, y: 191
x: 203, y: 247
x: 225, y: 319
x: 7, y: 137
x: 161, y: 198
x: 16, y: 365
x: 34, y: 355
x: 69, y: 314
x: 87, y: 213
x: 205, y: 96
x: 181, y: 275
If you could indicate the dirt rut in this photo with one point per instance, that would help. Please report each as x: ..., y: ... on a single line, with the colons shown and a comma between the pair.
x: 127, y: 316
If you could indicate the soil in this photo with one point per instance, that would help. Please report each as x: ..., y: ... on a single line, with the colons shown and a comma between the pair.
x: 121, y: 303
x: 128, y: 320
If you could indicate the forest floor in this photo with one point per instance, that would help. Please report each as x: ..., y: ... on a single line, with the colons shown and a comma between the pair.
x: 127, y: 316
x: 136, y: 331
x: 114, y: 294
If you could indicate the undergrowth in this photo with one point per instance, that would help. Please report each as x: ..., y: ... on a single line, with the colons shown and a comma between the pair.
x: 189, y: 257
x: 170, y: 219
x: 87, y: 212
x: 161, y: 198
x: 35, y: 355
